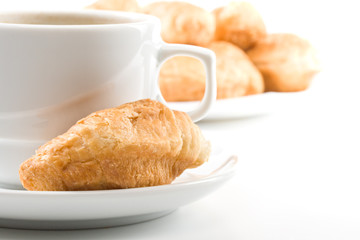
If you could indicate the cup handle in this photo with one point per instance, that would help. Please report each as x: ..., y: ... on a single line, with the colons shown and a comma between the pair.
x: 207, y: 57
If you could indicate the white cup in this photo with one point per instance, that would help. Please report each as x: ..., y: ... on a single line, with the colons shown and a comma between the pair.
x: 57, y: 67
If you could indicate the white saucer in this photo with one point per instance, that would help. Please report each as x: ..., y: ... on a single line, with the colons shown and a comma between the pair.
x: 95, y: 209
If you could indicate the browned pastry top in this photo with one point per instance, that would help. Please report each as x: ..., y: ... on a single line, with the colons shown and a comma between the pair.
x: 137, y: 144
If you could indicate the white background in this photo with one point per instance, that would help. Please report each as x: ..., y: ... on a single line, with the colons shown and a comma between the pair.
x: 299, y: 170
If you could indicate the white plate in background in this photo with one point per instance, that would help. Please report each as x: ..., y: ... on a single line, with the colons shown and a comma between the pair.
x: 258, y: 104
x: 247, y: 106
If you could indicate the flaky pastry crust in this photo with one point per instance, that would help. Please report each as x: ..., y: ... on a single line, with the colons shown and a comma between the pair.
x: 138, y: 144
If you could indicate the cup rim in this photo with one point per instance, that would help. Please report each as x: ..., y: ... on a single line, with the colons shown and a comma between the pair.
x: 135, y: 19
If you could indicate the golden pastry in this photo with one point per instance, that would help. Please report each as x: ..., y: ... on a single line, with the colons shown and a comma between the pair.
x: 183, y: 78
x: 116, y: 5
x: 183, y: 22
x: 239, y: 23
x: 286, y: 61
x: 137, y: 144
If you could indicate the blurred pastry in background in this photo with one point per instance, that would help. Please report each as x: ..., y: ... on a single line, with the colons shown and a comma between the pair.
x: 116, y: 5
x: 286, y: 61
x: 183, y: 22
x: 239, y: 23
x: 236, y: 74
x: 183, y: 78
x: 137, y: 144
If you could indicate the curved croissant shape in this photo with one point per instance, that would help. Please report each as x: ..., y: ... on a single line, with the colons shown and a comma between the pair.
x: 137, y: 144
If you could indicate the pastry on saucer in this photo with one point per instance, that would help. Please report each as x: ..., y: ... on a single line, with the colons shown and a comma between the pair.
x: 137, y: 144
